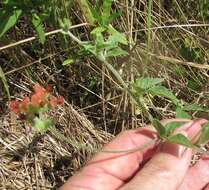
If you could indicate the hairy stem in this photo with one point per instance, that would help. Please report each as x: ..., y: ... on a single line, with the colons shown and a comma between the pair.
x: 117, y: 76
x: 141, y: 148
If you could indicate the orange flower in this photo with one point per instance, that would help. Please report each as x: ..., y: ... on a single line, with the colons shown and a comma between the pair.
x: 56, y: 101
x: 20, y: 107
x: 24, y: 105
x: 39, y: 88
x: 38, y: 99
x: 14, y: 106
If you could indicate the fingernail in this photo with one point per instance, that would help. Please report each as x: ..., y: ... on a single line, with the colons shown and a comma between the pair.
x: 174, y: 149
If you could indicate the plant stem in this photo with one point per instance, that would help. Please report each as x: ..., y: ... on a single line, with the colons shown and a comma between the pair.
x: 117, y: 76
x: 151, y: 142
x: 125, y: 87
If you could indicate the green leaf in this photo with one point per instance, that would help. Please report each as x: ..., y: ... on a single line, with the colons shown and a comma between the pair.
x: 111, y: 43
x: 180, y: 139
x: 4, y: 80
x: 106, y: 11
x: 8, y: 20
x: 193, y: 107
x: 159, y: 127
x: 171, y: 127
x: 116, y: 52
x: 68, y: 62
x: 100, y: 44
x: 182, y: 114
x: 163, y: 92
x: 65, y: 23
x: 204, y: 137
x: 147, y: 82
x: 90, y: 47
x: 117, y: 36
x: 38, y: 25
x: 42, y: 125
x: 98, y: 30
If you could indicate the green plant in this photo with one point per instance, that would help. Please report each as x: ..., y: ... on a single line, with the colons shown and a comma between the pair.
x: 107, y: 39
x: 146, y: 86
x: 106, y: 43
x: 166, y: 133
x: 34, y: 109
x: 38, y: 12
x: 150, y: 86
x: 190, y: 51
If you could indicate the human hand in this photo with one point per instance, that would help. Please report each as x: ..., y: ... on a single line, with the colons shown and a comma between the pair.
x: 160, y: 166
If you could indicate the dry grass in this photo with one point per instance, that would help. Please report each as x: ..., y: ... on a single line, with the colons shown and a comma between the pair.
x: 32, y: 161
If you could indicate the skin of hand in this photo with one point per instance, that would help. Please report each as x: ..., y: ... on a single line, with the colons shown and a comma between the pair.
x: 160, y: 166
